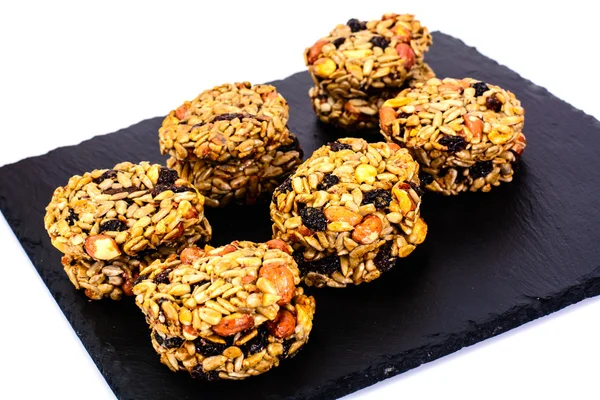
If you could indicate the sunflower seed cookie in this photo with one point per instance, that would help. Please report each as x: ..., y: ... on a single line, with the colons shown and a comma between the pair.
x: 226, y: 313
x: 360, y: 113
x: 466, y: 134
x: 241, y: 181
x: 362, y: 57
x: 350, y: 211
x: 229, y: 121
x: 105, y: 220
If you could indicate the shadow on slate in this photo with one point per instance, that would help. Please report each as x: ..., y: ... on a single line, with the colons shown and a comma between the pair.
x: 491, y: 262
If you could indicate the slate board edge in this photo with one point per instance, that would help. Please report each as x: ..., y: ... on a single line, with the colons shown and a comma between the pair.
x: 382, y: 369
x: 589, y: 287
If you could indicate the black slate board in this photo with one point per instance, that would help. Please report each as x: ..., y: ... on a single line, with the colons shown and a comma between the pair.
x: 491, y: 262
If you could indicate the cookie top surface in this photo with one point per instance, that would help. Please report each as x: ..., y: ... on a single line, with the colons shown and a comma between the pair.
x: 453, y: 116
x: 368, y: 56
x: 228, y: 121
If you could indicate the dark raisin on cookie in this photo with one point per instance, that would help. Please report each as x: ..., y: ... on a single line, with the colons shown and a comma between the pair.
x: 314, y: 219
x: 384, y: 261
x: 492, y: 103
x: 481, y: 169
x: 480, y: 88
x: 113, y: 225
x: 167, y: 176
x: 379, y: 41
x: 337, y: 146
x: 381, y: 198
x: 110, y: 174
x: 453, y: 143
x: 328, y: 181
x: 338, y: 42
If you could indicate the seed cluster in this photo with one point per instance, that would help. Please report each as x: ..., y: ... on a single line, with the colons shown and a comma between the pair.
x: 466, y: 134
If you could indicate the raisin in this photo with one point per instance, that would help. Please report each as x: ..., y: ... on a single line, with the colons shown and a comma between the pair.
x: 130, y: 189
x: 338, y: 42
x: 167, y: 176
x: 384, y: 261
x: 325, y: 265
x: 379, y: 41
x: 229, y: 117
x: 328, y: 181
x: 110, y: 174
x: 492, y: 103
x: 425, y: 178
x: 173, y: 342
x: 314, y: 219
x: 201, y: 375
x: 163, y: 277
x: 337, y: 146
x: 381, y: 198
x: 257, y: 343
x: 181, y: 189
x: 355, y: 25
x: 159, y: 339
x: 286, y: 186
x: 416, y: 188
x: 159, y: 188
x: 294, y: 145
x: 402, y: 114
x: 72, y: 217
x: 113, y: 225
x: 442, y: 172
x: 209, y: 348
x: 480, y: 88
x: 454, y: 143
x: 481, y: 169
x: 139, y: 279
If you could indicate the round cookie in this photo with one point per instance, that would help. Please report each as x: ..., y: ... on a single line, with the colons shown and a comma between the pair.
x: 229, y: 121
x: 362, y: 57
x: 466, y: 134
x: 241, y: 181
x: 360, y: 113
x: 226, y: 313
x: 125, y: 210
x: 350, y: 211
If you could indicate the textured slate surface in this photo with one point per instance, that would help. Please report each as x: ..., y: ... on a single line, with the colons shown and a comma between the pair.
x: 491, y: 261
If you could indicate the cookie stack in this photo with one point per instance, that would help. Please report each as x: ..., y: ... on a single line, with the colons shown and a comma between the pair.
x: 466, y: 134
x: 232, y: 143
x: 111, y: 223
x: 362, y: 64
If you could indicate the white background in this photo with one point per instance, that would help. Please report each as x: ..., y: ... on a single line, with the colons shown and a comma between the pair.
x: 72, y: 70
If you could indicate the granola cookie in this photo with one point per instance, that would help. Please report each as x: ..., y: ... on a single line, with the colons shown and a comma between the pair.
x: 360, y: 113
x: 229, y: 121
x: 466, y: 134
x: 350, y: 211
x: 241, y: 181
x: 362, y: 58
x: 111, y: 218
x: 226, y: 313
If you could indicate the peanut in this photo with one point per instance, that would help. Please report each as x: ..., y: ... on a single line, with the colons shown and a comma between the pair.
x: 283, y: 326
x: 406, y: 52
x: 282, y: 278
x: 342, y: 214
x: 232, y: 324
x: 279, y: 244
x: 181, y: 111
x: 324, y: 67
x: 315, y: 51
x: 102, y: 247
x: 191, y: 254
x: 368, y: 231
x: 474, y: 124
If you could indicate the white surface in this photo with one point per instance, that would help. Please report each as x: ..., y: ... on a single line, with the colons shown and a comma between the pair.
x: 70, y: 71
